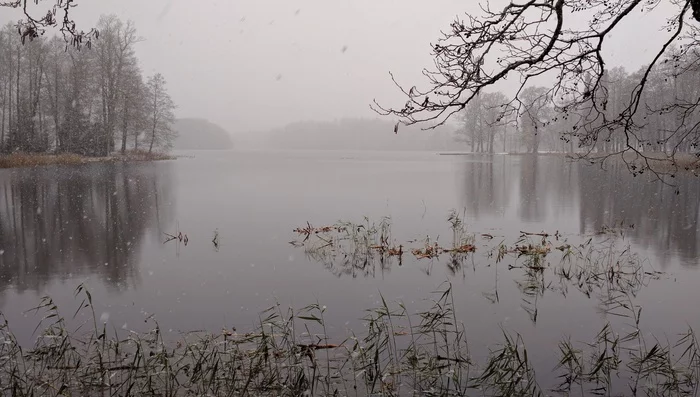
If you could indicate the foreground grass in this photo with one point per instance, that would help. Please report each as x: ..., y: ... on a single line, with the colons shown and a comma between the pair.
x: 290, y: 354
x: 18, y: 160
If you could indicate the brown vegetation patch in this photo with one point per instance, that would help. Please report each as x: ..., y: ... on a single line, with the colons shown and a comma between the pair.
x: 19, y: 160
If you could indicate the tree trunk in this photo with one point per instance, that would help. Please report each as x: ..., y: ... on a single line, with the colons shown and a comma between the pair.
x: 535, y: 138
x: 55, y: 106
x: 9, y: 97
x: 505, y: 134
x: 153, y: 138
x: 126, y: 124
x: 36, y: 108
x: 17, y: 113
x: 155, y: 118
x: 2, y: 123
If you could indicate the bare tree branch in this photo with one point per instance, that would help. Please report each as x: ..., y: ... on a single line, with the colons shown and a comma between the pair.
x: 545, y: 38
x: 57, y: 15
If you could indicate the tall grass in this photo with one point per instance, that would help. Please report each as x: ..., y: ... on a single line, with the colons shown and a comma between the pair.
x: 290, y: 353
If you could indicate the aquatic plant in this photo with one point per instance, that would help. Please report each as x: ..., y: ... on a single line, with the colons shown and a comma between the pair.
x: 291, y: 353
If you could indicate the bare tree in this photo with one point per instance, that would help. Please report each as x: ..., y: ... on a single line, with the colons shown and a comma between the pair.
x: 482, y: 121
x: 115, y: 53
x: 563, y: 40
x: 537, y: 114
x: 160, y: 113
x: 133, y: 106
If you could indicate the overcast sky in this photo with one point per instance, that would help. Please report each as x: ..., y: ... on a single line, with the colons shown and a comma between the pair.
x: 256, y: 64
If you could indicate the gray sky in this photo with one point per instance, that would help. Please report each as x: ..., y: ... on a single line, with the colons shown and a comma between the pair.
x: 256, y: 64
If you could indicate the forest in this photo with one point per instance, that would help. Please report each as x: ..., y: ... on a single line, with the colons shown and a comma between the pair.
x: 90, y: 100
x: 535, y: 121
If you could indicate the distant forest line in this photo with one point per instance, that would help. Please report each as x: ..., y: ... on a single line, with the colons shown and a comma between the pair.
x: 534, y: 122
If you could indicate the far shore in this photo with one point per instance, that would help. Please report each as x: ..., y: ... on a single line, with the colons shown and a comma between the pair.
x: 657, y: 161
x: 21, y: 160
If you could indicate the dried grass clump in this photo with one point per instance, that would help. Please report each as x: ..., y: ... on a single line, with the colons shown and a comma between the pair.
x: 17, y: 160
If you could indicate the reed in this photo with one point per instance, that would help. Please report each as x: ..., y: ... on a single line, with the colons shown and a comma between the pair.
x: 290, y: 353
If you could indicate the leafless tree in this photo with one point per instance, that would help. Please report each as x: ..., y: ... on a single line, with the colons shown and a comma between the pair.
x: 160, y: 114
x: 115, y: 54
x: 537, y: 114
x: 482, y: 120
x: 564, y: 40
x: 133, y: 106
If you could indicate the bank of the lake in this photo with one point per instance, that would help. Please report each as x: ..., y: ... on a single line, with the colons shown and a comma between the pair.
x: 20, y: 160
x: 656, y: 162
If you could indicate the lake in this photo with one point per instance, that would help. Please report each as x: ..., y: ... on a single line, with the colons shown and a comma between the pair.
x: 106, y: 225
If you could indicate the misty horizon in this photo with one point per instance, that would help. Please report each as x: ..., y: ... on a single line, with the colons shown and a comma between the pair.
x: 253, y: 66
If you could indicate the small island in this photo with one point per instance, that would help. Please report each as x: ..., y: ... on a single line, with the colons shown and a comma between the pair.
x: 200, y: 134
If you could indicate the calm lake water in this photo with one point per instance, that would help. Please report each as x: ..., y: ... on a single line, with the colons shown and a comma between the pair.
x: 105, y: 225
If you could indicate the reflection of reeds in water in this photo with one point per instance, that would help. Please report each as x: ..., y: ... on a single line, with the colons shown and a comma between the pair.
x: 348, y: 248
x: 594, y: 266
x: 540, y: 262
x: 358, y: 248
x: 290, y: 353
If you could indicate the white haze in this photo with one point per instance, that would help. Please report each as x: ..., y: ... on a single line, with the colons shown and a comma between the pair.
x: 250, y: 65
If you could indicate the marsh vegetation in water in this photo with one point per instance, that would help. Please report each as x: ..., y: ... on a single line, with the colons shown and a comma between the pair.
x: 398, y: 351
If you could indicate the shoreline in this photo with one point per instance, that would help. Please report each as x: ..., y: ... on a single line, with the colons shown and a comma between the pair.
x: 657, y: 162
x: 27, y: 160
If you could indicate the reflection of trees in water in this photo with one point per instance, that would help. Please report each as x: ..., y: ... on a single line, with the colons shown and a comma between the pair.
x: 486, y: 184
x: 532, y: 207
x: 663, y: 220
x: 547, y: 185
x: 58, y: 222
x: 543, y: 182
